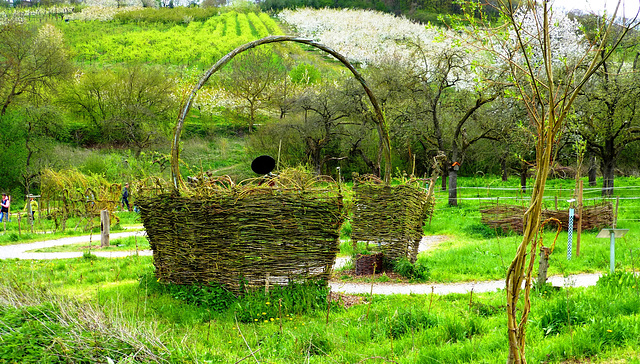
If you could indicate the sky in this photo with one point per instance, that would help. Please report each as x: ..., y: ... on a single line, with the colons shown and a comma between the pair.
x: 597, y: 6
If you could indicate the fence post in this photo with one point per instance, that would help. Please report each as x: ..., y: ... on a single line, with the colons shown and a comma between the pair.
x: 104, y: 228
x: 579, y: 220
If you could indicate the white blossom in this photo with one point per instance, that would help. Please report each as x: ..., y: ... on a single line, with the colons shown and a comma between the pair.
x: 373, y: 38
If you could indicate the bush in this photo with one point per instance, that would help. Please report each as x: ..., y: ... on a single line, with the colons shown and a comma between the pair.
x: 417, y: 271
x: 213, y: 297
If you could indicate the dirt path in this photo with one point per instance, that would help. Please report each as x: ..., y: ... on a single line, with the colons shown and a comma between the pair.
x: 578, y: 280
x: 21, y: 251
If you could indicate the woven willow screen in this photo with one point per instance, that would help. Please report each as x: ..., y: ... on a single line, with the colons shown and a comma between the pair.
x: 70, y: 193
x: 391, y: 217
x: 510, y: 217
x: 243, y: 235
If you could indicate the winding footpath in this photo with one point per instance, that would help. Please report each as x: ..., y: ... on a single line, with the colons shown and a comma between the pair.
x: 23, y: 251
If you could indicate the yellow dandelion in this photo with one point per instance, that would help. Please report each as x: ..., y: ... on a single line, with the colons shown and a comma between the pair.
x: 271, y: 319
x: 303, y: 324
x: 609, y: 331
x: 255, y: 319
x: 266, y: 320
x: 264, y: 313
x: 268, y: 303
x: 229, y: 342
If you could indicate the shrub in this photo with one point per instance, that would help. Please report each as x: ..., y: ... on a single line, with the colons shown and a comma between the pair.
x: 417, y: 271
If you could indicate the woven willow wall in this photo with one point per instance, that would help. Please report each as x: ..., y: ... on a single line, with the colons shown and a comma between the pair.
x: 70, y: 193
x: 510, y: 217
x: 391, y: 217
x: 248, y: 235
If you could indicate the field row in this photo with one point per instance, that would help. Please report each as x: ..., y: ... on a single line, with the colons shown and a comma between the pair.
x: 196, y: 44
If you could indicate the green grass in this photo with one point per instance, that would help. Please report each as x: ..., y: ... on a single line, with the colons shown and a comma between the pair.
x: 122, y: 244
x: 597, y: 324
x: 44, y: 229
x: 602, y: 320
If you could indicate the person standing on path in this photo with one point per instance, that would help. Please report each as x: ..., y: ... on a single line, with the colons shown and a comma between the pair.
x: 125, y: 196
x: 4, y: 208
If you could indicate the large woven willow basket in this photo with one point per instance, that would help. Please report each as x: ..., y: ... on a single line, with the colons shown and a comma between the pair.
x: 244, y: 236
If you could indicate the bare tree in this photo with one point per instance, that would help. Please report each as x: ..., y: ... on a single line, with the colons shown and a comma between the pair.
x: 31, y: 60
x: 548, y: 78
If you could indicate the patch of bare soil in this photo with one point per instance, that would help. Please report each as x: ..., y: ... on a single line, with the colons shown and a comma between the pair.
x: 346, y: 300
x: 431, y: 241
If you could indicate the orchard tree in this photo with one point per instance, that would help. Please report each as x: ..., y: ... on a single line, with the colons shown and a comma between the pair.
x: 609, y: 112
x: 549, y: 61
x: 324, y: 115
x: 132, y: 106
x: 252, y: 80
x: 442, y: 101
x: 32, y: 60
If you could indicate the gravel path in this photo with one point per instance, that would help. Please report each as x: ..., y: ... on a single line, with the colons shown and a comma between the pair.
x: 21, y: 251
x: 578, y: 280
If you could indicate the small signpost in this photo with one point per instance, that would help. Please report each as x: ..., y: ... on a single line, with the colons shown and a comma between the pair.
x: 612, y: 234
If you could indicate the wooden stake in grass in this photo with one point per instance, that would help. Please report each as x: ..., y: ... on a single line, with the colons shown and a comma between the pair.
x: 280, y: 313
x: 431, y: 299
x: 328, y: 306
x: 371, y: 292
x: 251, y: 352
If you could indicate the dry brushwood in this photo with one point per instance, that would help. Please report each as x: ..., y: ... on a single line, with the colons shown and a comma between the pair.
x: 243, y: 235
x: 510, y: 217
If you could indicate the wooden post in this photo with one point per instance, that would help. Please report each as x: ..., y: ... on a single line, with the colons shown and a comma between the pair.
x: 556, y: 199
x: 615, y: 214
x: 579, y: 219
x: 104, y: 228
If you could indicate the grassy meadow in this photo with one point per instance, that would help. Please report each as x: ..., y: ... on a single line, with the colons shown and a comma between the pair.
x: 95, y: 309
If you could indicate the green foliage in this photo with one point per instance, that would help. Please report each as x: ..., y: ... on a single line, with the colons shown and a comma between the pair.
x: 177, y: 15
x: 418, y: 271
x: 42, y: 328
x: 254, y: 306
x: 618, y: 279
x: 407, y: 320
x: 212, y: 297
x: 198, y: 43
x: 305, y: 73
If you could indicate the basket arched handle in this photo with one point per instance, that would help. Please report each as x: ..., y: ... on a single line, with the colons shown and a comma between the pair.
x: 383, y: 131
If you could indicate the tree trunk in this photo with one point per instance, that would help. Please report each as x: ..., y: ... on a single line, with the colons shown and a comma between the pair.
x: 607, y: 177
x: 524, y: 170
x: 453, y: 187
x: 592, y: 172
x: 503, y: 166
